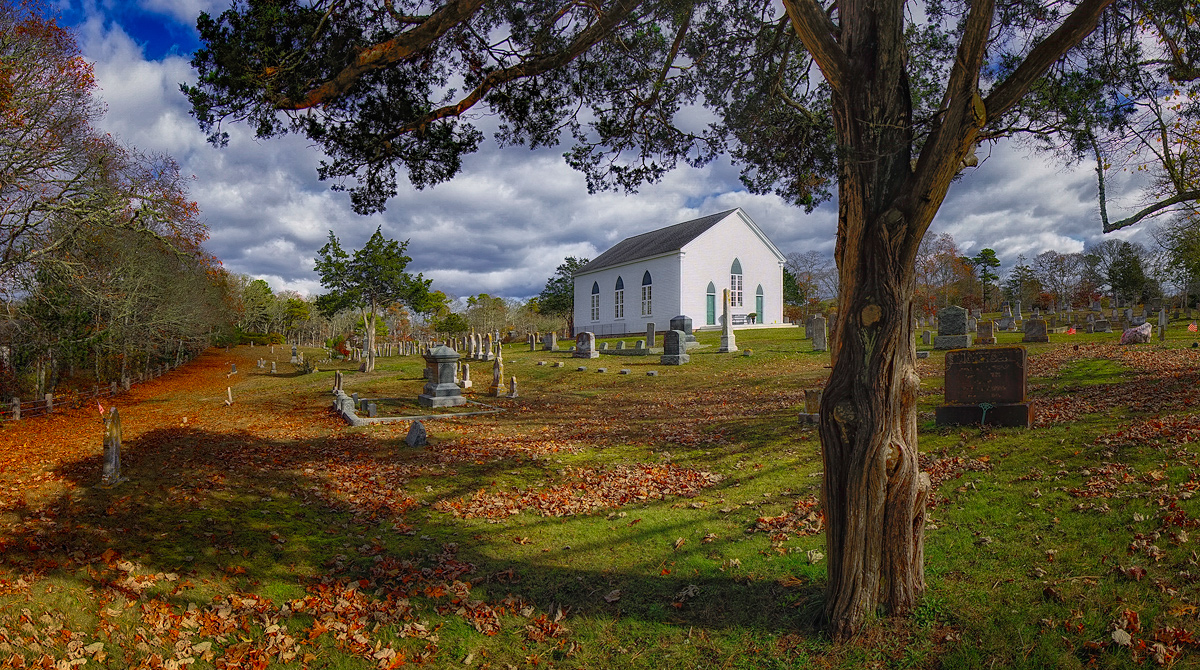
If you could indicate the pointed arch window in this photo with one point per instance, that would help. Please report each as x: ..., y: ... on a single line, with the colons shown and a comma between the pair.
x: 619, y: 299
x: 595, y: 301
x: 647, y: 297
x: 710, y: 305
x: 735, y: 284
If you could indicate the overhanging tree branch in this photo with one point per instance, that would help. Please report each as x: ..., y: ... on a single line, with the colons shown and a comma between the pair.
x: 817, y: 31
x: 385, y: 54
x: 1078, y: 25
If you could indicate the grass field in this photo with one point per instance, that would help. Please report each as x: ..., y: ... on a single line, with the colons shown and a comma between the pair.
x: 600, y: 521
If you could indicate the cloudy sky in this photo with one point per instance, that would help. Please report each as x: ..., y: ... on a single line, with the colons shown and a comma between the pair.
x: 510, y: 218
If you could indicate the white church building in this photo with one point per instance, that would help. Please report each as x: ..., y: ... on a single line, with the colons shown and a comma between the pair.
x: 682, y: 270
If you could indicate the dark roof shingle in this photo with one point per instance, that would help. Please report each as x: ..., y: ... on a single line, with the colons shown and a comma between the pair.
x: 655, y: 242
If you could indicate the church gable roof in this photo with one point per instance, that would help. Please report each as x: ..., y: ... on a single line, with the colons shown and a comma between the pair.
x: 655, y: 242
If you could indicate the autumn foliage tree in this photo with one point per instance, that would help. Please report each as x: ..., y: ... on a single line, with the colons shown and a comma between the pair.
x: 883, y: 100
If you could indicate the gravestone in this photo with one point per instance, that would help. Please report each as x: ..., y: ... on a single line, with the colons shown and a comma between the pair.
x: 496, y: 390
x: 604, y: 346
x: 1102, y: 326
x: 926, y: 337
x: 441, y: 390
x: 465, y: 380
x: 621, y: 345
x: 1017, y: 311
x: 972, y: 324
x: 684, y: 323
x: 512, y: 386
x: 273, y: 370
x: 295, y: 355
x: 986, y: 330
x: 417, y: 437
x: 674, y: 348
x: 1162, y: 325
x: 987, y: 387
x: 651, y: 334
x: 728, y: 341
x: 640, y: 344
x: 1007, y: 322
x: 531, y: 342
x: 812, y: 406
x: 489, y: 345
x: 819, y: 342
x: 585, y: 346
x: 110, y: 473
x: 550, y: 341
x: 1036, y: 331
x: 952, y: 329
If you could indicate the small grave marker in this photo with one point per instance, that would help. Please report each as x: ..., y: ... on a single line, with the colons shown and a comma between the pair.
x: 986, y: 386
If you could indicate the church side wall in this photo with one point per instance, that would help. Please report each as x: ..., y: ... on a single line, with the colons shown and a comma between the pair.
x: 665, y: 296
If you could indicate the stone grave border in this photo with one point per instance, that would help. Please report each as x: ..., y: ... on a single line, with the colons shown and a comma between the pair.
x: 341, y: 402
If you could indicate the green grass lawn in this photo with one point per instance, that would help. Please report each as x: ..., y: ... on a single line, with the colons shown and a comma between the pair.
x: 609, y: 521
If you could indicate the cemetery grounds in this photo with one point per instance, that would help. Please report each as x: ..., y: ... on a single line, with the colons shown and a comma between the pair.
x: 601, y: 521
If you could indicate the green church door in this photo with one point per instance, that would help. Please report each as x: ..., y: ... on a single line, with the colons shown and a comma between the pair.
x: 712, y: 310
x: 758, y: 308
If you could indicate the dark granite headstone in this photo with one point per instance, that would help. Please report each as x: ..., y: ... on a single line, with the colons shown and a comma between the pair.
x: 674, y: 348
x: 986, y: 386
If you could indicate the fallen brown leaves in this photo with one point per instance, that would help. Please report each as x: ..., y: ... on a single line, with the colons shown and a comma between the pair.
x: 586, y: 490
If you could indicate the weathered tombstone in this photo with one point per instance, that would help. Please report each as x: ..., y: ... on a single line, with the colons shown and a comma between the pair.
x: 926, y: 337
x: 987, y: 387
x: 1036, y: 331
x: 808, y: 327
x: 233, y: 368
x: 273, y: 367
x: 550, y: 341
x: 1162, y: 325
x: 986, y: 330
x: 532, y: 343
x: 1037, y: 312
x: 489, y: 345
x: 1102, y: 326
x: 497, y: 388
x: 585, y: 346
x: 972, y: 325
x: 372, y: 410
x: 1007, y: 321
x: 728, y: 341
x: 640, y: 344
x: 441, y: 390
x: 812, y: 406
x: 465, y: 382
x: 651, y: 334
x: 922, y: 354
x: 819, y: 343
x: 604, y: 346
x: 1138, y: 334
x: 952, y: 329
x: 295, y: 356
x: 110, y: 473
x: 674, y: 348
x: 1089, y: 327
x: 1017, y: 311
x: 620, y: 345
x: 416, y: 437
x: 512, y: 386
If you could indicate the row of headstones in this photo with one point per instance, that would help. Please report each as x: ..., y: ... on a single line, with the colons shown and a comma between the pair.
x: 46, y: 404
x: 585, y: 345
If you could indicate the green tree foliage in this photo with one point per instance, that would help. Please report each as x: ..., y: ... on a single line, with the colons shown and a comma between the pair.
x: 558, y: 296
x: 887, y: 101
x: 1126, y: 274
x: 368, y: 280
x: 985, y: 262
x: 452, y: 323
x: 1022, y: 284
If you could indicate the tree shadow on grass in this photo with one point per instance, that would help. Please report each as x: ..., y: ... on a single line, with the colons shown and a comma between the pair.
x: 259, y: 514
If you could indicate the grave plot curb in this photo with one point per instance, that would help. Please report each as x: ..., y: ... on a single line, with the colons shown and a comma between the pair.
x: 344, y: 406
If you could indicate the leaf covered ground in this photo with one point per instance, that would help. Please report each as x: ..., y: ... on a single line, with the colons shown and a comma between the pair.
x: 600, y: 521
